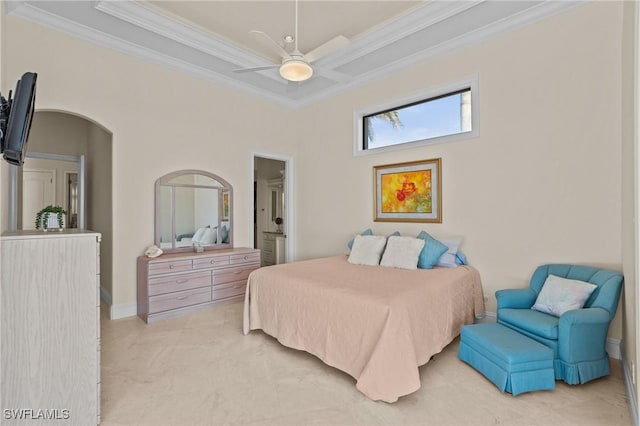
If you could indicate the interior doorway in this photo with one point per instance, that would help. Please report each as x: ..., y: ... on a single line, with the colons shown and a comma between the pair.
x: 38, y: 191
x: 272, y: 212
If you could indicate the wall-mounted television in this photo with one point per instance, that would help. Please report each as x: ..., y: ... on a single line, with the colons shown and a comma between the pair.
x: 15, y: 119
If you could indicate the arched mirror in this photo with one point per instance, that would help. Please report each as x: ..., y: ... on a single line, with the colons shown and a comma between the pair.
x: 193, y: 208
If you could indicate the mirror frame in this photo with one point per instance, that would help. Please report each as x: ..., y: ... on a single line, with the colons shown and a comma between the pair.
x: 15, y: 188
x: 225, y: 188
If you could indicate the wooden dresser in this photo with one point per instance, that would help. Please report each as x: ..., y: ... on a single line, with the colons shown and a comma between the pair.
x: 50, y: 328
x: 179, y: 283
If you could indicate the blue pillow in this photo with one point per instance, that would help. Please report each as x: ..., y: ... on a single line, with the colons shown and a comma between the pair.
x: 431, y: 251
x: 365, y: 232
x: 225, y: 234
x: 461, y: 258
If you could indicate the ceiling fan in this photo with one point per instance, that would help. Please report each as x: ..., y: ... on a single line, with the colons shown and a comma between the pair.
x: 296, y: 66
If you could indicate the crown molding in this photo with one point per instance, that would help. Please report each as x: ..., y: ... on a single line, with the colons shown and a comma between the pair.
x: 544, y: 10
x: 403, y: 30
x: 39, y: 16
x: 404, y: 25
x: 144, y: 16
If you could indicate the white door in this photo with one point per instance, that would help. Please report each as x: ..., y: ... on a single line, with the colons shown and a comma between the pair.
x: 38, y: 191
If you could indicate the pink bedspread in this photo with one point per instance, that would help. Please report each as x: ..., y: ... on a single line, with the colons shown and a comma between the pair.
x: 377, y: 324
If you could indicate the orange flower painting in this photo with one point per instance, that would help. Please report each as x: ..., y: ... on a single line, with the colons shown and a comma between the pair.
x: 408, y: 192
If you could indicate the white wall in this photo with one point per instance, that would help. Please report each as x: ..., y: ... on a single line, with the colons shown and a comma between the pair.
x: 161, y: 121
x: 540, y: 184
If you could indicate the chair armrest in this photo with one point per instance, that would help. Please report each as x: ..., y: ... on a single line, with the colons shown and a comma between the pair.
x: 518, y: 298
x: 582, y: 334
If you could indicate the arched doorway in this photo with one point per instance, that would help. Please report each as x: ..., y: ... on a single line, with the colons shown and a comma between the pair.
x: 56, y: 139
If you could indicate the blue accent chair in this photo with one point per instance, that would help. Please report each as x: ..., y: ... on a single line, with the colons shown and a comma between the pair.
x: 578, y: 338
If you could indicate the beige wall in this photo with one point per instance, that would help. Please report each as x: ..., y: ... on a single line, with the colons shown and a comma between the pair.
x: 161, y: 121
x: 540, y: 184
x: 630, y: 94
x: 99, y: 199
x: 56, y: 133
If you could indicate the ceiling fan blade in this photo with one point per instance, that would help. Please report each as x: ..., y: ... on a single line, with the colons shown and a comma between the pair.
x: 267, y: 41
x: 333, y: 75
x: 326, y: 48
x: 266, y: 67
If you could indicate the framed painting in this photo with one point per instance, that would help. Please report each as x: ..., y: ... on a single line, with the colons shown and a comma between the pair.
x: 408, y: 192
x: 225, y: 205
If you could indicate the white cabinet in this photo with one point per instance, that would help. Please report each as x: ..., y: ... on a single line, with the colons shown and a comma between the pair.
x: 50, y: 328
x: 273, y: 248
x: 268, y: 249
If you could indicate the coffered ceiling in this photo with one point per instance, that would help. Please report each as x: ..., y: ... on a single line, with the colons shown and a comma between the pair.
x: 210, y: 39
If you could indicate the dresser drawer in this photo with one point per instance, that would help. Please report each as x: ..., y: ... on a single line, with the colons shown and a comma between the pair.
x: 168, y: 284
x: 173, y: 266
x: 229, y: 289
x: 252, y: 257
x: 165, y: 302
x: 210, y: 262
x: 227, y: 275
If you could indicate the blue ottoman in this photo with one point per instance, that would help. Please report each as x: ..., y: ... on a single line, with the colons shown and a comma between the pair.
x: 512, y: 361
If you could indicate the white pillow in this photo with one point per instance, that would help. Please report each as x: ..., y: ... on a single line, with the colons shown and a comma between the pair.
x: 448, y: 259
x: 367, y: 249
x: 209, y: 236
x: 196, y: 237
x: 402, y: 252
x: 559, y: 295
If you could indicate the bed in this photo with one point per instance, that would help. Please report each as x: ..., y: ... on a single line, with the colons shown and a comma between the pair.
x: 375, y: 323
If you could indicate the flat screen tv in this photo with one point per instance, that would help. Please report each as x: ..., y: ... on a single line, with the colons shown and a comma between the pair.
x: 15, y: 119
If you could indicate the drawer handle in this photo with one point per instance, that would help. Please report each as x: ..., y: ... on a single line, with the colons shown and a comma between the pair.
x: 181, y: 297
x: 171, y: 266
x: 246, y: 257
x: 237, y: 286
x: 212, y: 262
x: 237, y: 272
x: 182, y: 281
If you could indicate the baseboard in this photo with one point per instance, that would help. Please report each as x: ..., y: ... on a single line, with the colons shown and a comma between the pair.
x: 629, y: 388
x: 117, y: 311
x: 487, y: 317
x: 613, y: 345
x: 105, y: 296
x: 123, y: 310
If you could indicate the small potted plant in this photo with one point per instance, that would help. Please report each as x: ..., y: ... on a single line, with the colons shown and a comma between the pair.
x: 50, y: 217
x: 279, y: 224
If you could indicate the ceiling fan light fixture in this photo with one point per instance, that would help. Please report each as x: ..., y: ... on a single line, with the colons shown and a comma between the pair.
x: 296, y: 70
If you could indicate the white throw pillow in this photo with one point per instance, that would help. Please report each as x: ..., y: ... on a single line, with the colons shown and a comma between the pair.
x: 198, y: 235
x: 448, y: 259
x: 367, y: 249
x: 209, y: 236
x: 402, y: 252
x: 559, y: 295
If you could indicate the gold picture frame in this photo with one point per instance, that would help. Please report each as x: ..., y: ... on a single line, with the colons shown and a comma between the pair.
x: 408, y: 192
x: 225, y: 205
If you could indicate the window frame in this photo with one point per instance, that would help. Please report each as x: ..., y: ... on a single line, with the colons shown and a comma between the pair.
x: 433, y: 93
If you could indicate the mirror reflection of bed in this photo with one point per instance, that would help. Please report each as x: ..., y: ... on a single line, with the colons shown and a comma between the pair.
x: 192, y: 208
